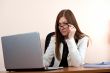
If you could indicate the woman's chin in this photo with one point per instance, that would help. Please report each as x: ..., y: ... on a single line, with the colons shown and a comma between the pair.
x: 64, y: 34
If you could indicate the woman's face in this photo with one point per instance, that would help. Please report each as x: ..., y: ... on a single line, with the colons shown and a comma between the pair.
x: 63, y: 26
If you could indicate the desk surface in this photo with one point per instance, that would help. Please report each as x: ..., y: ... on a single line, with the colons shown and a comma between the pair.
x: 69, y: 70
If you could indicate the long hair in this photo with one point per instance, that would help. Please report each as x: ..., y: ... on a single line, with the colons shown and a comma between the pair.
x: 71, y: 20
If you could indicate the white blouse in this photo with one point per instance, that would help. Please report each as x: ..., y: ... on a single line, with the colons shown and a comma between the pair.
x: 76, y: 53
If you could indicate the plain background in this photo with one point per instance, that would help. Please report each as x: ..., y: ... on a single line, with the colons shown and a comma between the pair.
x: 93, y: 17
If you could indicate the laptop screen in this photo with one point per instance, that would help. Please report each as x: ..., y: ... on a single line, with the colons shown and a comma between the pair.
x: 22, y: 51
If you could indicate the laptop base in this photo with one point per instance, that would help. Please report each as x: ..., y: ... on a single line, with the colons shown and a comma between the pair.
x: 36, y: 69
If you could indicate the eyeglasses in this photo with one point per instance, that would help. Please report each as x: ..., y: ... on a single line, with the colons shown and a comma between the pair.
x: 64, y: 25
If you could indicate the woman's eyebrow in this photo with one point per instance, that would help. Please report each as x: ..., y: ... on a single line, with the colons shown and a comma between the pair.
x: 63, y: 22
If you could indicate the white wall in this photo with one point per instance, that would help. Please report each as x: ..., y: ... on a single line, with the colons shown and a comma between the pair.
x: 93, y: 16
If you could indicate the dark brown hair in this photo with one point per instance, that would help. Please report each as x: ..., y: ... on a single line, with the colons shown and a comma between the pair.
x: 71, y: 20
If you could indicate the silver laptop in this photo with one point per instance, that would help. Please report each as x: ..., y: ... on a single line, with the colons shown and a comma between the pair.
x: 22, y: 52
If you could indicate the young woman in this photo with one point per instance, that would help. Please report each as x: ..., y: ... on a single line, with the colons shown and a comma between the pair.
x: 68, y: 45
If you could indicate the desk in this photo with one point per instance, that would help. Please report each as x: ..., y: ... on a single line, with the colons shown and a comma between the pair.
x: 70, y: 70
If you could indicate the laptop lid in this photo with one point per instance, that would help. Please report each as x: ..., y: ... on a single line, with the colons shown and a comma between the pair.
x: 22, y: 51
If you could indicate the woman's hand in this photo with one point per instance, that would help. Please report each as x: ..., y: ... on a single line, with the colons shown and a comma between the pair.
x: 72, y: 31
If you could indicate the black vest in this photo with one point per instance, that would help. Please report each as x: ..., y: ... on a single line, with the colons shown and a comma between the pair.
x: 64, y: 62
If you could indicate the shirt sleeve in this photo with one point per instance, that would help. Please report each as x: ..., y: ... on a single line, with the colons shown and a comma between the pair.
x: 77, y: 52
x: 47, y: 57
